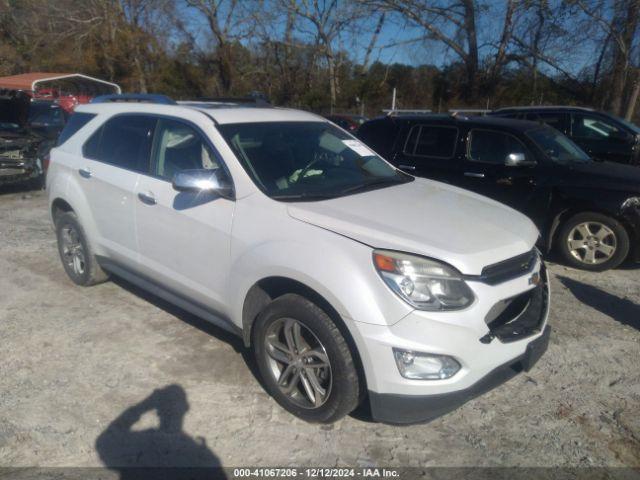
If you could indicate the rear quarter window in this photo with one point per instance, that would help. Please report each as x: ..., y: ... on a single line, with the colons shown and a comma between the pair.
x: 75, y: 123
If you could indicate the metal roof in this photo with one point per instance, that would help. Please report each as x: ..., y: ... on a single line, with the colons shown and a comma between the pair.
x: 31, y: 81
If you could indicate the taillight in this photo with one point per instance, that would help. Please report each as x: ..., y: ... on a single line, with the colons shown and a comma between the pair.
x: 46, y: 160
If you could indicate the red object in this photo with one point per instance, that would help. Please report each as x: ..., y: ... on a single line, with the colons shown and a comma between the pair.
x: 67, y: 89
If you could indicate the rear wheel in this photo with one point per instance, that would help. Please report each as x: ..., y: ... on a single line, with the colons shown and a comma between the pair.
x: 593, y: 241
x: 75, y: 251
x: 305, y: 361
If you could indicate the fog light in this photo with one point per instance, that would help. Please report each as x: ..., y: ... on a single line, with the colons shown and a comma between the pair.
x: 425, y: 366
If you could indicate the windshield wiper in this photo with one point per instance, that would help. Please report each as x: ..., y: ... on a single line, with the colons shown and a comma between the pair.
x: 303, y: 196
x: 374, y: 184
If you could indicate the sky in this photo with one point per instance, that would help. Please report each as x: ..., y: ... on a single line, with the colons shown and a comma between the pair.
x: 393, y: 45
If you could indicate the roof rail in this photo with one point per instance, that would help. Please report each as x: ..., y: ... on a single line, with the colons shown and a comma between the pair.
x: 406, y: 112
x: 257, y: 100
x: 134, y: 97
x: 471, y: 111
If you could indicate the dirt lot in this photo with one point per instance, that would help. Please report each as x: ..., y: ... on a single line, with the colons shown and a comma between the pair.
x: 74, y: 360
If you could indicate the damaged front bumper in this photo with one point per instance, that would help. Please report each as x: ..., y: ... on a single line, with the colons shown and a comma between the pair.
x: 16, y: 167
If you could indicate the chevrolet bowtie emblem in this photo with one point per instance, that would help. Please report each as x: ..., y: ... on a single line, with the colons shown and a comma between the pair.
x: 534, y: 279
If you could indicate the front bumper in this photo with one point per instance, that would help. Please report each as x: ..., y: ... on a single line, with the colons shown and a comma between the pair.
x: 15, y: 171
x: 405, y: 409
x: 491, y: 341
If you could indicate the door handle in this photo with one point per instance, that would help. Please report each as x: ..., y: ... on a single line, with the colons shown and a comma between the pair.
x: 147, y: 198
x: 474, y: 174
x: 85, y: 173
x: 406, y: 167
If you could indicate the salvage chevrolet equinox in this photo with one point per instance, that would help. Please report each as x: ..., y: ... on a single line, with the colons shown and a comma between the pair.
x: 351, y: 281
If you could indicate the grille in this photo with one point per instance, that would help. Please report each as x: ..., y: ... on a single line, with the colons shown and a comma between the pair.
x: 521, y: 316
x: 509, y: 269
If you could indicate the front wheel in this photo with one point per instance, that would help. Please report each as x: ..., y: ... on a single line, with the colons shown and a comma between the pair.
x: 593, y: 241
x: 304, y: 360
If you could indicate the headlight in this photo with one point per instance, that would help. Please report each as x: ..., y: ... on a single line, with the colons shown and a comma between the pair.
x: 424, y: 284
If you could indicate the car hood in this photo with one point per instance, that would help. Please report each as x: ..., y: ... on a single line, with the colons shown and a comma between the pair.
x: 428, y: 218
x: 609, y: 175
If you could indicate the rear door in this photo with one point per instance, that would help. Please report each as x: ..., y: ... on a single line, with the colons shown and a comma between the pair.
x: 184, y: 238
x: 430, y: 151
x: 114, y: 156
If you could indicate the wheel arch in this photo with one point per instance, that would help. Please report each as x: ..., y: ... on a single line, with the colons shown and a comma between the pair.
x: 268, y: 289
x: 59, y: 205
x: 562, y: 216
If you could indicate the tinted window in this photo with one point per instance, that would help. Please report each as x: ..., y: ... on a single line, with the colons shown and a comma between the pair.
x: 555, y: 120
x: 494, y: 147
x: 124, y: 141
x: 592, y: 127
x: 557, y: 146
x: 178, y: 146
x: 379, y: 135
x: 45, y: 115
x: 430, y: 141
x: 75, y: 123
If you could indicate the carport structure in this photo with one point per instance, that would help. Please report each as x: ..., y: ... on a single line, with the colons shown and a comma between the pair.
x: 44, y: 84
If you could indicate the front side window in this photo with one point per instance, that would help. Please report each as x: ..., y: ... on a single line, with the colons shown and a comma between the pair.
x: 123, y: 141
x: 494, y: 147
x: 307, y: 160
x: 594, y: 128
x: 178, y: 146
x: 431, y: 141
x: 557, y: 146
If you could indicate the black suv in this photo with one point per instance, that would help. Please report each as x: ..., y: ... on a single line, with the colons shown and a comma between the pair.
x: 589, y: 209
x: 601, y: 135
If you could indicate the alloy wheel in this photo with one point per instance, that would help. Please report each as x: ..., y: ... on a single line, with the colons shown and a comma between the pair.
x: 592, y: 243
x: 298, y: 362
x: 72, y: 250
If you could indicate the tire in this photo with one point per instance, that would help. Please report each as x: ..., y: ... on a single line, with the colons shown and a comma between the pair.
x: 593, y: 241
x: 340, y: 380
x: 76, y: 253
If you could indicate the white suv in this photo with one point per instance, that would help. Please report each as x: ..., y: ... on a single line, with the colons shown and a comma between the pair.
x: 350, y: 280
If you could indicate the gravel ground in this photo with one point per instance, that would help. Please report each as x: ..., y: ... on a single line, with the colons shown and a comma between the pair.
x: 73, y: 360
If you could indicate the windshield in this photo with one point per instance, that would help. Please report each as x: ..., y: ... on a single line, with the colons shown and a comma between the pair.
x: 45, y: 114
x: 307, y: 160
x: 557, y: 147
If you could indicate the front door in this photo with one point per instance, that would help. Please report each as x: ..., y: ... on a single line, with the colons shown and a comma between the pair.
x: 184, y: 238
x: 487, y: 173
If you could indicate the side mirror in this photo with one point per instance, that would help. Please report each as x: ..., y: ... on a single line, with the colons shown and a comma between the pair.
x: 518, y: 160
x: 204, y: 181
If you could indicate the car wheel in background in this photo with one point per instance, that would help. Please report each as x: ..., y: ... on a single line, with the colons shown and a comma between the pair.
x: 75, y: 252
x: 593, y: 241
x: 304, y: 360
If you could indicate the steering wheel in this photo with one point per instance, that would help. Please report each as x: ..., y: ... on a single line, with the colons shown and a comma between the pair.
x: 317, y: 157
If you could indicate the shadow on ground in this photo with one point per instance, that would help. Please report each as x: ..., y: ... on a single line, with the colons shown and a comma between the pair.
x: 620, y: 309
x: 162, y: 452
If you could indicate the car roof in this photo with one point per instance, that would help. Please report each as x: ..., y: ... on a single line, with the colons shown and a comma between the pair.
x: 543, y: 107
x: 221, y: 113
x: 458, y: 120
